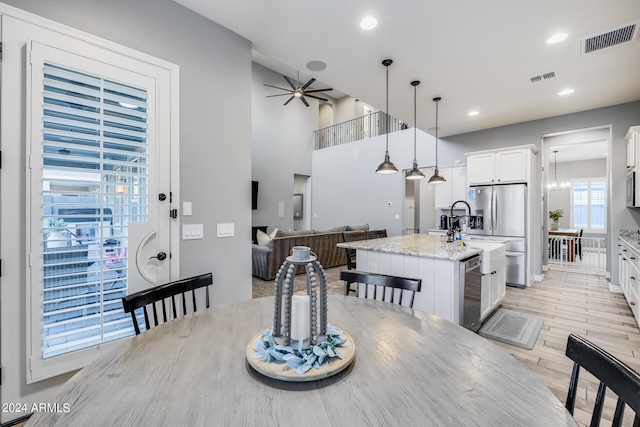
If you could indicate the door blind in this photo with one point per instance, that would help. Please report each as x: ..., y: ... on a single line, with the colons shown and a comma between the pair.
x: 95, y: 182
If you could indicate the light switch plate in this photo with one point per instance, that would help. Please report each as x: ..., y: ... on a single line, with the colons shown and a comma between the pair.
x: 186, y: 209
x: 226, y: 230
x: 192, y: 231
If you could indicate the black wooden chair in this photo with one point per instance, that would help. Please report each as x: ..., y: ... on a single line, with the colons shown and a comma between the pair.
x: 376, y: 234
x: 161, y: 295
x: 578, y: 243
x: 394, y: 282
x: 353, y: 236
x: 611, y: 372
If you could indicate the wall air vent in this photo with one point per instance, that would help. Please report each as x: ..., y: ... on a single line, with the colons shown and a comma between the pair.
x: 621, y: 35
x: 544, y: 77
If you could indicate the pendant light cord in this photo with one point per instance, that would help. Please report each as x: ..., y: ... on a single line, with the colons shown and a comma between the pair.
x: 387, y: 113
x: 415, y: 120
x: 437, y: 102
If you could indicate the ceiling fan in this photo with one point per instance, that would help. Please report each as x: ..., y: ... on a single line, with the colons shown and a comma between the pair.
x: 298, y: 91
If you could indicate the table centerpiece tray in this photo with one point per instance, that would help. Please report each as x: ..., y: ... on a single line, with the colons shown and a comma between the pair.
x: 283, y: 372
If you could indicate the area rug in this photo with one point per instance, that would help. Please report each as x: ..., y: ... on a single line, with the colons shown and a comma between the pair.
x: 512, y: 328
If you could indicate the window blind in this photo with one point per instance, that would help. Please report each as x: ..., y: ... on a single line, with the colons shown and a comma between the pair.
x: 95, y: 182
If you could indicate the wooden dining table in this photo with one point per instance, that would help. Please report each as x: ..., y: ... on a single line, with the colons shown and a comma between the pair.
x: 410, y: 369
x: 569, y: 235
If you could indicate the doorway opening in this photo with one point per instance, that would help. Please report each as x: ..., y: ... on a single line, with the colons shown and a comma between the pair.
x: 575, y: 200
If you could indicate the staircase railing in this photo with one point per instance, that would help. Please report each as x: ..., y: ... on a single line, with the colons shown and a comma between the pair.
x: 363, y: 127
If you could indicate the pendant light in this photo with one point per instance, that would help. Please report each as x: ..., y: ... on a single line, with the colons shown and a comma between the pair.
x: 415, y: 172
x: 387, y: 167
x: 554, y: 186
x: 436, y: 178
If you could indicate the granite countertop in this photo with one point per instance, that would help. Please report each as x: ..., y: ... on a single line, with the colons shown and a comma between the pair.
x: 420, y: 245
x: 631, y: 237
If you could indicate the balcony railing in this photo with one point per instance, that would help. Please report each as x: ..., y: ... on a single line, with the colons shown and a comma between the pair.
x: 368, y: 126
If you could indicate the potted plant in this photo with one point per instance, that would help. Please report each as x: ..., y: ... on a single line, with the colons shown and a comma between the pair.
x: 554, y: 216
x: 54, y: 229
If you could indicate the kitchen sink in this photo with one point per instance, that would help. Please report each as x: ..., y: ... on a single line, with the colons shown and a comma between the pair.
x: 493, y: 256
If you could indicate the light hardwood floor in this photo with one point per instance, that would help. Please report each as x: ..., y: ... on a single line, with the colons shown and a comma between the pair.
x: 577, y: 303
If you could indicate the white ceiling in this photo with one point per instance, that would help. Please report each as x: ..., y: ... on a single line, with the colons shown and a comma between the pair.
x: 476, y: 55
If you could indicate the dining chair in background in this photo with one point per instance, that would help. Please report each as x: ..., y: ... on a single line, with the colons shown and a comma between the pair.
x: 395, y: 283
x: 163, y: 294
x: 376, y: 234
x: 353, y: 236
x: 578, y: 244
x: 612, y: 373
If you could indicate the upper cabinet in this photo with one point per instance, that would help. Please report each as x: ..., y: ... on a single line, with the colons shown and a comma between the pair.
x: 453, y: 189
x: 633, y: 140
x: 504, y: 166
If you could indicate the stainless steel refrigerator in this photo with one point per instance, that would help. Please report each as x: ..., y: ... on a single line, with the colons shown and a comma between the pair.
x: 503, y: 210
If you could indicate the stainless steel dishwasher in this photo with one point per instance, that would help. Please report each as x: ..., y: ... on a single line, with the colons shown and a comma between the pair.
x: 470, y: 290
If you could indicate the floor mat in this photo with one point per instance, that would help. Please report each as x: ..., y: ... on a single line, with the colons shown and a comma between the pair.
x: 512, y: 328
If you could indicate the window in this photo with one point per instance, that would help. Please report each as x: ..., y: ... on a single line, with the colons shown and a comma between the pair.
x: 588, y: 204
x: 94, y: 184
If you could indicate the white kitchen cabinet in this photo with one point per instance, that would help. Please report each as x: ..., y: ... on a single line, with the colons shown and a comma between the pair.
x: 499, y: 166
x: 633, y: 140
x: 453, y: 189
x: 629, y: 276
x: 493, y: 291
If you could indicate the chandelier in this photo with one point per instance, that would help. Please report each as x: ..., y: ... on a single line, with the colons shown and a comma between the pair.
x: 556, y: 185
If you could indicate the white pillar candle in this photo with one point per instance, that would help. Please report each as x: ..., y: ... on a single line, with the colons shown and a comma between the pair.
x: 300, y: 317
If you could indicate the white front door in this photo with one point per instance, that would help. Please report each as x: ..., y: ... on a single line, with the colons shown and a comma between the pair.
x: 100, y: 175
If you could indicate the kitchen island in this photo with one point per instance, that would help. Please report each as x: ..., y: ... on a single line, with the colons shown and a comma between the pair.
x: 420, y: 256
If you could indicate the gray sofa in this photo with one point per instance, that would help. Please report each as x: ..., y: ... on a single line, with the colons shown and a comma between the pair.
x: 266, y: 260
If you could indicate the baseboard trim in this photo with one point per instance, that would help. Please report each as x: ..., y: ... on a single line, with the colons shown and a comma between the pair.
x: 615, y: 288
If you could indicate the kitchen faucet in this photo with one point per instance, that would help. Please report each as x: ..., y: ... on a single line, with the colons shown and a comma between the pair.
x: 455, y: 203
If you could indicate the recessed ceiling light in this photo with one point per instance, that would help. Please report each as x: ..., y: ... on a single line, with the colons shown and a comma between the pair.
x: 368, y: 23
x: 566, y: 92
x: 474, y: 113
x: 556, y: 38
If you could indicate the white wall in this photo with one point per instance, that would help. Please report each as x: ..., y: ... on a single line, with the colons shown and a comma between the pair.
x: 215, y: 116
x: 281, y: 144
x: 346, y: 189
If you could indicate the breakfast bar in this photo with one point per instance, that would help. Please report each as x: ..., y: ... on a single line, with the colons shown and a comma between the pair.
x: 422, y: 256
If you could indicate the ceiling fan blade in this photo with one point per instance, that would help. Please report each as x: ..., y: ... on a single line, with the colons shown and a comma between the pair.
x: 281, y: 88
x: 289, y: 100
x: 294, y: 87
x: 326, y: 89
x: 317, y: 97
x: 307, y: 84
x: 280, y: 94
x: 304, y: 101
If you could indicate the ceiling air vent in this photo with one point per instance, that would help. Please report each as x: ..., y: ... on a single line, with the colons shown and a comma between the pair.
x: 621, y: 35
x: 543, y: 77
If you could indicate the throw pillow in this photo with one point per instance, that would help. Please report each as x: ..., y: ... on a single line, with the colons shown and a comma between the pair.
x: 357, y: 227
x: 264, y: 239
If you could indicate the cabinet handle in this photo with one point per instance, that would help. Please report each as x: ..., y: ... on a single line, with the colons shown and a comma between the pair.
x: 632, y: 278
x: 632, y: 303
x: 632, y: 257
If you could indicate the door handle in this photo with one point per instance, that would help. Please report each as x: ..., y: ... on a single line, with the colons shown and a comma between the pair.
x: 160, y: 257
